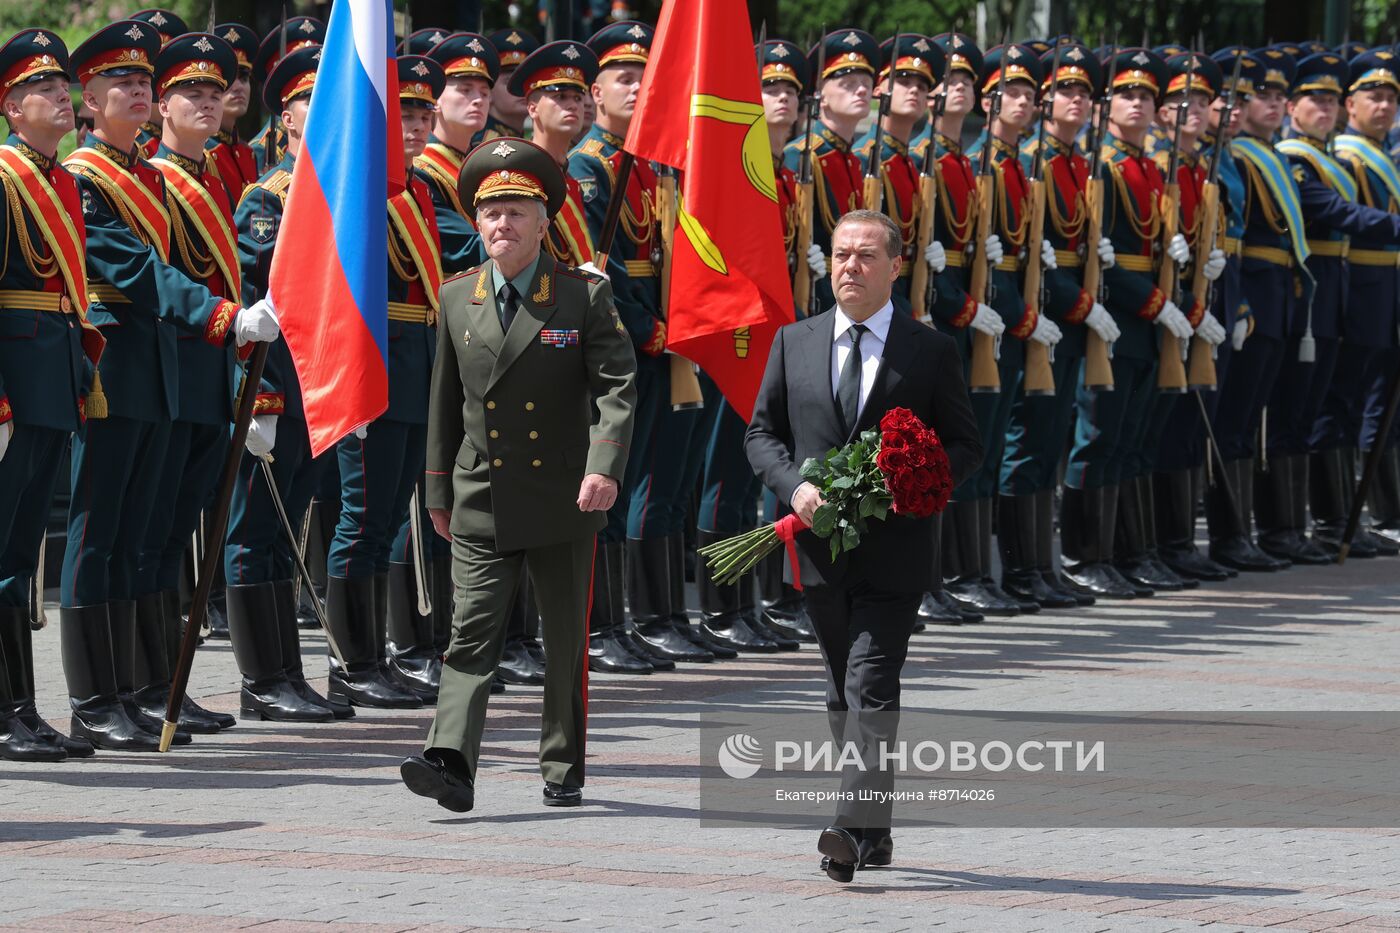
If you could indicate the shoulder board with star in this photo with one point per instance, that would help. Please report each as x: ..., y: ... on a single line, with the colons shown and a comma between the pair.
x: 462, y: 275
x: 575, y: 272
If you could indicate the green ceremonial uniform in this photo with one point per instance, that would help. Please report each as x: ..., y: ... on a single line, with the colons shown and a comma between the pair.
x: 512, y: 431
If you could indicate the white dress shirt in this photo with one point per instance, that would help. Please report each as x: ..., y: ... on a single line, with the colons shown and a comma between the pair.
x: 872, y: 347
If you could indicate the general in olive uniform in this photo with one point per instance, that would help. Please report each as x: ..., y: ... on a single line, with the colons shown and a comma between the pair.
x: 530, y: 428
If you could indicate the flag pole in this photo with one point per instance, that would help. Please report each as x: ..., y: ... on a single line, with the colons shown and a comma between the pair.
x: 213, y: 549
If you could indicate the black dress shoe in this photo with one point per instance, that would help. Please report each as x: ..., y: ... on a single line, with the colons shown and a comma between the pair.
x: 730, y: 630
x: 664, y: 641
x: 1028, y: 586
x: 842, y: 853
x: 1191, y: 564
x: 497, y: 684
x: 518, y: 666
x: 973, y: 596
x: 1143, y: 574
x: 790, y: 619
x: 607, y: 655
x: 560, y: 795
x: 646, y: 653
x: 428, y: 777
x: 1023, y: 606
x: 876, y: 852
x: 1059, y: 585
x: 1292, y: 545
x: 932, y: 609
x: 1383, y: 546
x: 1099, y: 580
x: 700, y: 637
x: 760, y: 625
x: 1240, y: 553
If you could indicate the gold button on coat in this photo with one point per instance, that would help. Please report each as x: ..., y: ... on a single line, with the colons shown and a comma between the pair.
x: 534, y: 463
x: 495, y: 433
x: 529, y: 406
x: 496, y: 462
x: 491, y: 405
x: 534, y: 435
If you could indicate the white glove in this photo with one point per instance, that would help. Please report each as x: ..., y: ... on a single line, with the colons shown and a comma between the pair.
x: 816, y: 261
x: 262, y: 435
x: 1215, y: 264
x: 1047, y: 255
x: 1046, y: 331
x: 1102, y: 323
x: 1174, y: 321
x: 256, y: 324
x: 7, y: 431
x: 1107, y: 257
x: 1179, y: 250
x: 361, y: 432
x: 935, y: 256
x: 1241, y: 332
x: 1210, y: 330
x: 589, y: 267
x: 993, y: 250
x: 987, y: 321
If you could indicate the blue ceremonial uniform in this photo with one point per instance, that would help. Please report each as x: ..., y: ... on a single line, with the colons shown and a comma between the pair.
x: 438, y: 168
x: 837, y: 174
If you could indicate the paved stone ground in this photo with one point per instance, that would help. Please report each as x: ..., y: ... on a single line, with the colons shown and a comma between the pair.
x: 292, y: 828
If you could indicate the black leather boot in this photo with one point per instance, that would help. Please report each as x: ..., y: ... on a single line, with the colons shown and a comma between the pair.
x: 781, y: 604
x: 1231, y: 527
x: 962, y: 564
x: 174, y: 631
x: 17, y: 662
x: 1281, y: 510
x: 151, y: 670
x: 721, y: 617
x: 1021, y: 575
x: 408, y: 645
x: 289, y: 641
x: 1331, y: 486
x: 1174, y: 499
x: 1385, y: 497
x: 99, y: 715
x: 1045, y: 553
x: 986, y: 527
x: 606, y: 652
x: 680, y: 619
x: 748, y: 608
x: 352, y: 609
x: 1132, y: 554
x: 1149, y: 526
x: 17, y: 741
x: 518, y: 665
x: 255, y: 629
x: 1384, y: 546
x: 1087, y: 521
x: 121, y: 616
x: 649, y: 599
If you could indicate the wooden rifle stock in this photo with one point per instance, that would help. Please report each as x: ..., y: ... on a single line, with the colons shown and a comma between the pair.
x: 918, y: 278
x: 1171, y: 371
x: 802, y: 273
x: 984, y: 376
x: 1098, y: 370
x: 685, y: 384
x: 1040, y: 379
x: 1200, y: 370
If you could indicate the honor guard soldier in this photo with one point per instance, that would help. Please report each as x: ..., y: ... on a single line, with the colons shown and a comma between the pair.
x: 262, y: 606
x: 471, y: 67
x: 192, y: 72
x: 422, y: 41
x: 233, y: 160
x: 378, y: 471
x: 1274, y: 250
x: 507, y: 115
x: 1368, y: 360
x: 142, y: 302
x: 643, y: 520
x: 168, y: 25
x: 48, y: 353
x: 953, y: 310
x: 907, y: 76
x: 1332, y: 212
x: 531, y: 417
x: 269, y: 144
x: 1039, y: 424
x: 1172, y: 438
x: 843, y: 75
x: 729, y: 489
x: 1108, y: 424
x: 968, y: 529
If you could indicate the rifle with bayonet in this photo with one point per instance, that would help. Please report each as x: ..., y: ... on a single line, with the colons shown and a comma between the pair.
x: 1171, y: 368
x: 1040, y: 379
x: 1098, y: 371
x: 1201, y: 365
x: 984, y: 376
x: 804, y: 292
x: 928, y: 200
x: 872, y: 194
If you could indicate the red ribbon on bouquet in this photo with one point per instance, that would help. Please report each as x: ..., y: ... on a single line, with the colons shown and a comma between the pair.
x: 786, y: 528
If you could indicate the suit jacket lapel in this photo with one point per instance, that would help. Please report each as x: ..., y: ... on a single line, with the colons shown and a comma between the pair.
x: 820, y: 332
x: 899, y: 351
x: 536, y: 308
x: 483, y: 320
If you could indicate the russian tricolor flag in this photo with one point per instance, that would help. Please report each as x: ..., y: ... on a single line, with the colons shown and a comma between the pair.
x: 329, y: 279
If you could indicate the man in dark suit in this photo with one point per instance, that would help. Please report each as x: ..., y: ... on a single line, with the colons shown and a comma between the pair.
x: 829, y: 377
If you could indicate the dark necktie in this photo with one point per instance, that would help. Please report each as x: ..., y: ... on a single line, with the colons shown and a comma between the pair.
x: 848, y: 385
x: 507, y: 303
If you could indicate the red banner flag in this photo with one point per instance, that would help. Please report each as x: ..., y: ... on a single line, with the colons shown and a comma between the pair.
x: 700, y: 110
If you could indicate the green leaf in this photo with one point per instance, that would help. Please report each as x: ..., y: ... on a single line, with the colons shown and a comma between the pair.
x: 850, y: 538
x: 812, y: 469
x: 835, y: 546
x: 824, y: 521
x: 845, y: 481
x: 869, y: 504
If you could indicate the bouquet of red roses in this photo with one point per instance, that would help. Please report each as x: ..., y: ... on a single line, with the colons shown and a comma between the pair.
x: 902, y: 466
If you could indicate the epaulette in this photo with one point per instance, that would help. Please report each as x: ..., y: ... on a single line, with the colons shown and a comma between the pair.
x: 461, y: 275
x: 1163, y: 160
x: 592, y: 147
x: 574, y: 271
x: 278, y: 183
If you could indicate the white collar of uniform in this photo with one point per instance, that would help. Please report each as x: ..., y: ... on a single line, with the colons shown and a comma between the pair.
x: 878, y: 323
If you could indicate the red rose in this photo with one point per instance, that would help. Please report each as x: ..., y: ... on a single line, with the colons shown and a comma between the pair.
x: 893, y: 442
x: 923, y: 480
x: 890, y: 460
